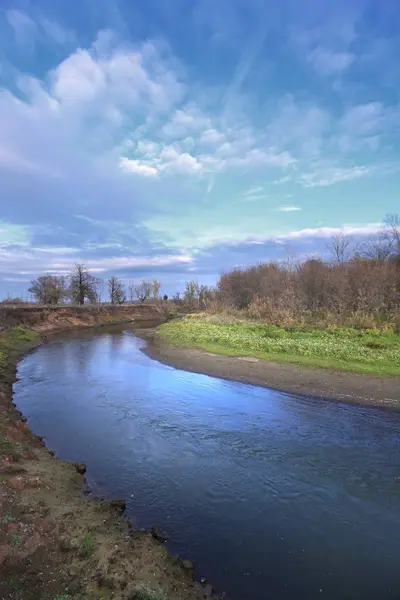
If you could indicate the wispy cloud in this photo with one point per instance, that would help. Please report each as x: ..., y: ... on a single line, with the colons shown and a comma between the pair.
x: 24, y: 28
x: 289, y: 208
x: 328, y: 62
x: 331, y: 175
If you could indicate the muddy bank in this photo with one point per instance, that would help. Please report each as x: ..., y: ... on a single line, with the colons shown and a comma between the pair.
x: 59, y: 318
x: 58, y: 544
x: 293, y: 379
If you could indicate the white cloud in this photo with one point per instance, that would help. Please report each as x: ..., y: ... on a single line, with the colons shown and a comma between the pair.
x: 257, y: 157
x: 220, y: 236
x: 79, y: 78
x: 327, y: 232
x: 157, y: 159
x: 331, y: 175
x: 186, y: 121
x: 363, y: 118
x: 289, y: 208
x: 254, y: 197
x: 212, y: 137
x: 281, y: 180
x: 254, y: 190
x: 184, y: 162
x: 328, y: 62
x: 140, y: 168
x: 60, y: 261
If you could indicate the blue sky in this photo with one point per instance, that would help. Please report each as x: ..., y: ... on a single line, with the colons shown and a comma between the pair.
x: 175, y: 139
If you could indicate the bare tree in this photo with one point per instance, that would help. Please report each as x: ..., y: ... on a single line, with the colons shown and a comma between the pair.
x: 49, y: 289
x: 339, y: 247
x: 206, y: 294
x: 116, y: 290
x: 391, y: 231
x: 156, y: 289
x: 100, y: 289
x: 143, y: 290
x: 191, y: 293
x: 131, y: 290
x: 375, y: 247
x: 83, y: 285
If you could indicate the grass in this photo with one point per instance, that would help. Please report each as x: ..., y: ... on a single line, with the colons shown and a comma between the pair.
x: 87, y: 544
x: 16, y: 540
x: 10, y: 341
x: 7, y: 519
x: 358, y: 351
x: 5, y: 446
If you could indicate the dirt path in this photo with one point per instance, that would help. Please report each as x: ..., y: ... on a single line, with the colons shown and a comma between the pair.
x: 325, y: 383
x: 58, y: 544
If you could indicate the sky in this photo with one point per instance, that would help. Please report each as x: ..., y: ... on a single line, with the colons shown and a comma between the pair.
x: 178, y: 139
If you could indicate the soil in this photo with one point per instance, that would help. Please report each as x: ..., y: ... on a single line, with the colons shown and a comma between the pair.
x: 60, y: 318
x: 293, y: 379
x: 57, y: 543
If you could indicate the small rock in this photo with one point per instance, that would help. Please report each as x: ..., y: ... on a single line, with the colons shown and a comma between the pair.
x: 175, y: 560
x: 118, y: 505
x: 80, y: 467
x: 203, y: 581
x: 188, y: 565
x: 157, y: 535
x: 208, y: 591
x: 67, y: 544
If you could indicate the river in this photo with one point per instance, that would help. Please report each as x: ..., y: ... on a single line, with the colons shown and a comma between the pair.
x: 273, y: 496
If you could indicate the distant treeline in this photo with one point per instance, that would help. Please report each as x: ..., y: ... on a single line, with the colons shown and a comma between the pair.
x: 356, y: 287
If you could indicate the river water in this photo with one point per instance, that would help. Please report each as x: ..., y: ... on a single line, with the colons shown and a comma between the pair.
x: 274, y: 496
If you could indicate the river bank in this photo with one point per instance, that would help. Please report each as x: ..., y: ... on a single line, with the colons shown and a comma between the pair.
x: 175, y: 350
x: 55, y: 542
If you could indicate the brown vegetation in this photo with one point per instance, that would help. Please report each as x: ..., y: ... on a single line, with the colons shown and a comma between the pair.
x: 361, y: 289
x: 359, y: 292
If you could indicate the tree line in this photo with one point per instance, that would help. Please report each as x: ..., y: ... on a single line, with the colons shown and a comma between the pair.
x: 359, y: 285
x: 81, y: 287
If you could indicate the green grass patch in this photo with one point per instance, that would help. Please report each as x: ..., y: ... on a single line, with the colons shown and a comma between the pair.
x: 87, y: 544
x: 7, y: 519
x: 16, y: 540
x: 5, y: 446
x: 359, y: 351
x: 10, y: 341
